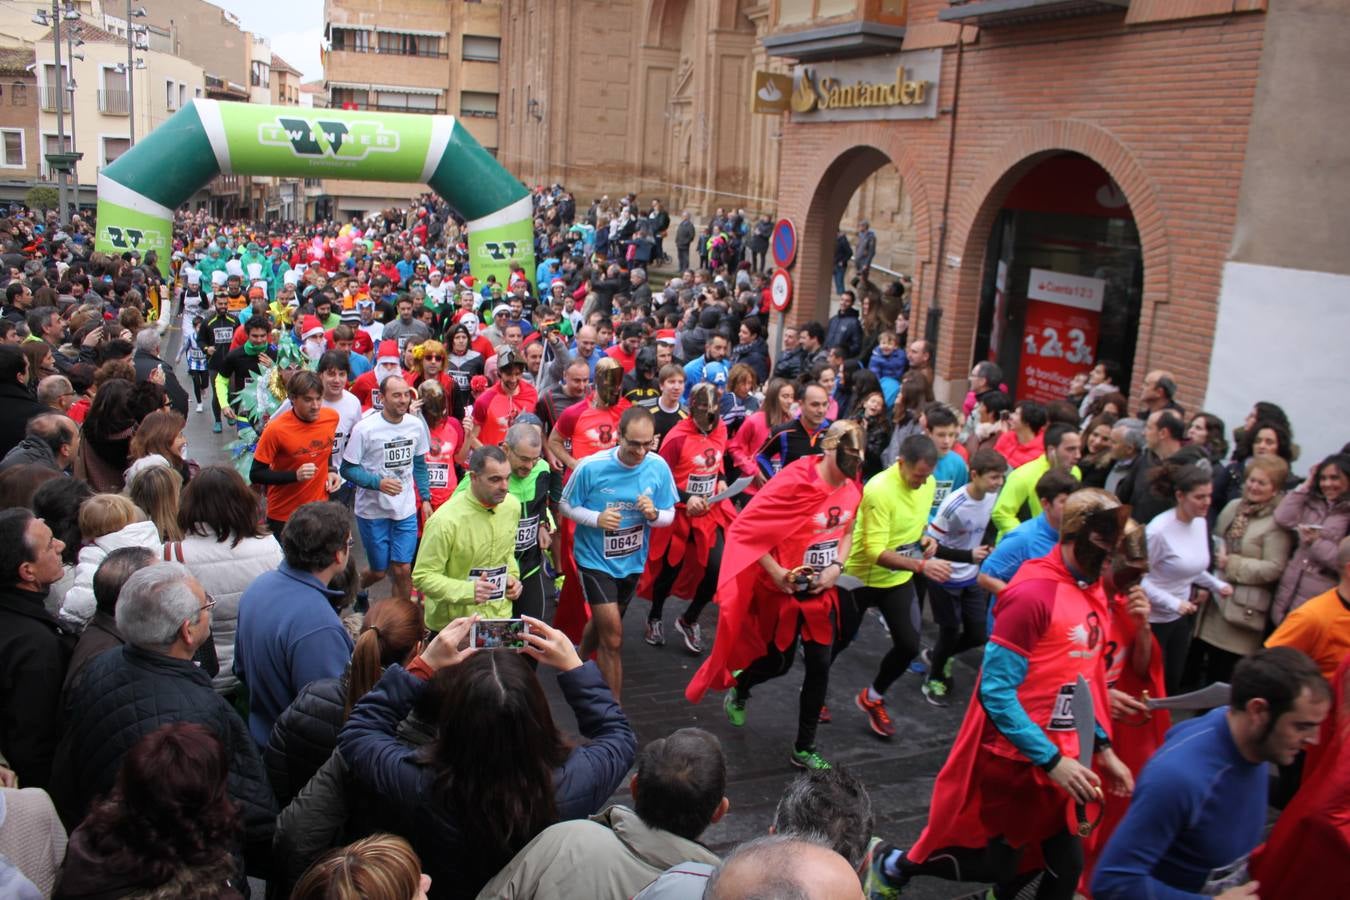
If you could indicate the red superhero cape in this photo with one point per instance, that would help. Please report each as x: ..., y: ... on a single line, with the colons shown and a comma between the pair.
x: 745, y: 627
x: 689, y: 540
x: 1135, y: 740
x: 981, y: 794
x: 1308, y: 853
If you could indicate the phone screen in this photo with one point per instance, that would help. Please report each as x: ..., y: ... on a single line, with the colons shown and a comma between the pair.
x: 498, y: 634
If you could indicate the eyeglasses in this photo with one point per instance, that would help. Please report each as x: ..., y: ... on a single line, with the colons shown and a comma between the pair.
x: 526, y: 459
x: 208, y: 606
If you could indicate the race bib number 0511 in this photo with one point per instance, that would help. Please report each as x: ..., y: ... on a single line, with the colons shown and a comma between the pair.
x: 818, y: 556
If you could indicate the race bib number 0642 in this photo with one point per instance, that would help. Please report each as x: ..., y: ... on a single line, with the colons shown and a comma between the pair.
x: 623, y: 541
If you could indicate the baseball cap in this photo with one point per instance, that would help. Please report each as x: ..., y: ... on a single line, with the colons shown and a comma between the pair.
x: 506, y: 357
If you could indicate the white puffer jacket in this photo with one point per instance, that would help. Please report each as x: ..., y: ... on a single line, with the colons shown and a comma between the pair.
x: 224, y: 572
x: 78, y: 606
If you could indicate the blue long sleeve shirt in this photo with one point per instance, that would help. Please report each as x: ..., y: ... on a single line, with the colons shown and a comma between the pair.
x: 1199, y: 808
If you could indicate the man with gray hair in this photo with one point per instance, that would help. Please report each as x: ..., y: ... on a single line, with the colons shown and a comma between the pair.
x: 1127, y: 443
x: 50, y: 440
x: 164, y: 616
x: 785, y: 867
x: 147, y: 360
x: 56, y: 392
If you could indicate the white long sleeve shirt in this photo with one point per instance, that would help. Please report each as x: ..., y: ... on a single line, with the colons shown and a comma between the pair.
x: 1178, y: 557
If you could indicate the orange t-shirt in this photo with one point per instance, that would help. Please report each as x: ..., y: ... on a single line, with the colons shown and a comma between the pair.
x: 1320, y: 628
x: 287, y: 444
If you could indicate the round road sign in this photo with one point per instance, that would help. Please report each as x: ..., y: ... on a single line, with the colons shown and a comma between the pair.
x: 780, y: 290
x: 783, y: 243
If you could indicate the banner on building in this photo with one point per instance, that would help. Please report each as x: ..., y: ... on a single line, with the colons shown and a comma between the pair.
x: 1059, y: 337
x: 895, y: 86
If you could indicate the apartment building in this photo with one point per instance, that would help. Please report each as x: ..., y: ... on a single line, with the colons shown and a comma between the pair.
x: 431, y: 57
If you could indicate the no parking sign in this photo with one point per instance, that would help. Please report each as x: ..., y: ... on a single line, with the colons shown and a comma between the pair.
x: 780, y: 290
x: 783, y: 243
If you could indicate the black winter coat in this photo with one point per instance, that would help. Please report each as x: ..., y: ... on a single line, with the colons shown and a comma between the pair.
x: 125, y: 694
x: 17, y: 406
x: 34, y: 653
x: 303, y: 736
x: 145, y: 363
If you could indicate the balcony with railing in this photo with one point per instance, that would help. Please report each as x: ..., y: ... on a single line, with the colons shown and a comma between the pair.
x: 987, y: 13
x: 114, y: 102
x: 809, y: 30
x: 47, y: 99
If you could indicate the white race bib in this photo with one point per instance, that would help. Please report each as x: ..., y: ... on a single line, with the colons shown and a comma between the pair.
x: 222, y: 334
x: 701, y: 485
x: 398, y: 453
x: 495, y: 577
x: 438, y: 474
x: 623, y: 541
x: 527, y: 533
x: 818, y: 556
x: 1061, y: 717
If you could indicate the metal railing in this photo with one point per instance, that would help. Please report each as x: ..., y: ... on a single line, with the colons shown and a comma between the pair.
x: 390, y: 51
x: 114, y: 102
x: 47, y: 99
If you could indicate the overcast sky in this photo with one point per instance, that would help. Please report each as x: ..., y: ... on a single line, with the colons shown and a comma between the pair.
x: 295, y: 28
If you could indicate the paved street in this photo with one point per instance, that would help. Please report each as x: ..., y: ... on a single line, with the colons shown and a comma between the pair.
x: 899, y: 773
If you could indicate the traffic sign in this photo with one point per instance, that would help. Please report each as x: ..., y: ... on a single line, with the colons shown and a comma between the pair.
x: 783, y: 243
x: 780, y: 290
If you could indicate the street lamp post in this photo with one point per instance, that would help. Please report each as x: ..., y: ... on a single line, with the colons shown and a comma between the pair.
x: 131, y: 90
x: 72, y: 41
x: 40, y: 18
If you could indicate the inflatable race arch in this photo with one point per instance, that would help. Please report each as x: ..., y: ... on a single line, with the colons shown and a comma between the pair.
x: 139, y: 191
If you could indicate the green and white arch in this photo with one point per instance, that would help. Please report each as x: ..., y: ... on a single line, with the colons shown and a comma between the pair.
x: 138, y: 193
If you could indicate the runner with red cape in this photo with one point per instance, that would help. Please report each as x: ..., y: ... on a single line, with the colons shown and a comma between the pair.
x: 800, y: 520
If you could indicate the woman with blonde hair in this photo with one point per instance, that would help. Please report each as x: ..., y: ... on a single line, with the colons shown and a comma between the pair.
x: 1253, y: 551
x: 156, y: 490
x: 107, y: 523
x: 162, y: 434
x: 380, y: 867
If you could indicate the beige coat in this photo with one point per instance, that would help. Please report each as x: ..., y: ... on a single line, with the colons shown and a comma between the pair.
x: 1254, y: 572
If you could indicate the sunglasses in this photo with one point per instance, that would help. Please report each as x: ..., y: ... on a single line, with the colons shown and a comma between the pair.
x: 439, y: 357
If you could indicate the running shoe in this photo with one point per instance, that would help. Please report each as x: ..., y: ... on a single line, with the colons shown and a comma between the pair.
x: 692, y: 634
x: 825, y: 717
x: 808, y: 759
x: 877, y: 717
x: 735, y: 709
x: 199, y: 407
x: 216, y: 428
x: 921, y: 665
x: 935, y: 692
x: 655, y: 635
x: 876, y: 884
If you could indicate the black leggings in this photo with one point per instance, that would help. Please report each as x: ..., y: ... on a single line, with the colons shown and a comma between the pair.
x: 201, y: 381
x: 702, y: 595
x: 816, y: 683
x: 1174, y: 639
x: 211, y: 389
x: 960, y: 615
x: 901, y: 612
x: 997, y: 863
x: 531, y: 599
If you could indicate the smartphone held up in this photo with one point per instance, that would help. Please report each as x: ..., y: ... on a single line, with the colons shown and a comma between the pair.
x: 498, y: 634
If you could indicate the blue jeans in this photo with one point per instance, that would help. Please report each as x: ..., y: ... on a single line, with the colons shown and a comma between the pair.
x: 839, y: 278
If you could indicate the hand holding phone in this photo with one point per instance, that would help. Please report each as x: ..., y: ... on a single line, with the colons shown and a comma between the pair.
x: 549, y: 645
x: 498, y: 634
x: 447, y: 649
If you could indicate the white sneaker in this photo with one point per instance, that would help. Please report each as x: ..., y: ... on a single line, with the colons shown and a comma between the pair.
x: 692, y: 634
x: 199, y: 407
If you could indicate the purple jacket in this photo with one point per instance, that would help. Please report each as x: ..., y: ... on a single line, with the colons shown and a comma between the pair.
x: 1312, y: 569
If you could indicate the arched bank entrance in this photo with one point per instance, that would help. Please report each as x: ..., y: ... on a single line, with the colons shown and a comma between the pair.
x: 1062, y: 280
x: 138, y: 193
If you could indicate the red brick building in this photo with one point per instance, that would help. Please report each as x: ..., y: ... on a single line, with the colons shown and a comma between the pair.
x: 1101, y: 140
